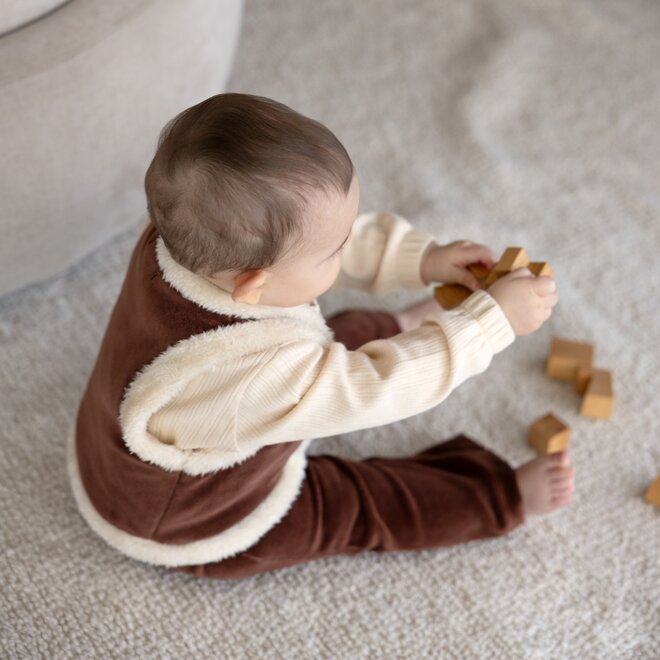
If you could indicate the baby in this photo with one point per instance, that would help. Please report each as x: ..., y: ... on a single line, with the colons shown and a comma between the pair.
x: 217, y: 368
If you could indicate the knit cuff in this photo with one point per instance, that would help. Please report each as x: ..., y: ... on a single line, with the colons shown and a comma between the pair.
x: 409, y: 259
x: 492, y: 319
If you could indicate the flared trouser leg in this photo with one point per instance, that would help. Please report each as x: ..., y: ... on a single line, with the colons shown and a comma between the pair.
x: 453, y: 492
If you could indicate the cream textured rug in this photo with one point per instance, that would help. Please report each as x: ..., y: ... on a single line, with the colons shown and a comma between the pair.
x: 528, y: 123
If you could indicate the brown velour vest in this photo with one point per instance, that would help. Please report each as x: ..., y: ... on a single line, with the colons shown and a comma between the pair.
x: 137, y: 496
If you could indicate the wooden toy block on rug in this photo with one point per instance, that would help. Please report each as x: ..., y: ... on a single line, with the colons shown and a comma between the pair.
x: 582, y: 377
x: 566, y: 357
x: 549, y: 434
x: 598, y: 398
x: 652, y: 495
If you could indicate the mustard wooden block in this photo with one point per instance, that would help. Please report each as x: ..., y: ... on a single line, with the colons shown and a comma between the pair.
x: 480, y: 272
x: 566, y: 357
x: 549, y: 434
x: 516, y: 257
x: 652, y: 495
x: 541, y: 268
x: 451, y: 295
x: 492, y: 277
x: 598, y: 399
x: 513, y: 257
x: 582, y: 377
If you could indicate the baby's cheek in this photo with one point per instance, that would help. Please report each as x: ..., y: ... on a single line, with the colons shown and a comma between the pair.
x: 329, y: 273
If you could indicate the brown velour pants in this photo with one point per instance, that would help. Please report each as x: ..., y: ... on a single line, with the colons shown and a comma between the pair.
x: 453, y: 492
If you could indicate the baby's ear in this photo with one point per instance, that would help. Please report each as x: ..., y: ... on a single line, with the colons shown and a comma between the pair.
x: 250, y: 298
x: 248, y: 286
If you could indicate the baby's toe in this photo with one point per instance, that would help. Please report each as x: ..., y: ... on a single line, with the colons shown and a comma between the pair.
x: 563, y: 488
x: 562, y: 474
x: 561, y: 500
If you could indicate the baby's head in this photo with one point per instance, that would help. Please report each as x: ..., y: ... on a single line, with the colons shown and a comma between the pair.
x: 254, y: 197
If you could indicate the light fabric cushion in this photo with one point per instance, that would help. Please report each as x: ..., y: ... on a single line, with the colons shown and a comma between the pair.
x: 16, y: 13
x: 84, y: 93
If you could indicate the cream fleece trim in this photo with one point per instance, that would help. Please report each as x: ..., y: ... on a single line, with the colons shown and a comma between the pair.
x: 163, y: 378
x: 160, y: 381
x: 207, y: 295
x: 166, y: 376
x: 237, y: 538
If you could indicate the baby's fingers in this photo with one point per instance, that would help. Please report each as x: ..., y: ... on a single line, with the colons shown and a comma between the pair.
x: 549, y: 301
x: 546, y: 303
x: 475, y: 252
x: 544, y: 286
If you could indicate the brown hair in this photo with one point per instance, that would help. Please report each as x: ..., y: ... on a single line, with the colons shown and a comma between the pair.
x: 229, y: 184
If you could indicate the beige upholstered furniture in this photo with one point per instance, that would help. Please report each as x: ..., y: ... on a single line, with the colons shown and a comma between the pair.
x: 85, y: 87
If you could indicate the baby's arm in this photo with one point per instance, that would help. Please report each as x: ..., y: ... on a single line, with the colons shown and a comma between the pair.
x: 383, y: 254
x: 309, y: 390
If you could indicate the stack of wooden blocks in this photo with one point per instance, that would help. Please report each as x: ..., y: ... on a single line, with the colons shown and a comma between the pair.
x: 567, y: 360
x: 452, y: 295
x: 573, y: 361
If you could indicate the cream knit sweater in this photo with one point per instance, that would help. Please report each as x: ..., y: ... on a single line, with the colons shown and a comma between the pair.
x: 305, y: 389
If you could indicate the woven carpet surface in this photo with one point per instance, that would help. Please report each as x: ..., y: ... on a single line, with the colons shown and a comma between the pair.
x: 529, y: 123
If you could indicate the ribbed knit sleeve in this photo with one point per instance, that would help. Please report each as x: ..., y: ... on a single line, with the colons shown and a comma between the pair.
x: 308, y: 390
x: 383, y: 254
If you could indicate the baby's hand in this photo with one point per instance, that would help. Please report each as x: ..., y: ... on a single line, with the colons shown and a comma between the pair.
x: 448, y: 263
x: 526, y: 300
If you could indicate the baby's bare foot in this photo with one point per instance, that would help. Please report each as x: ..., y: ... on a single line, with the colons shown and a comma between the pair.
x: 412, y: 317
x: 545, y: 483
